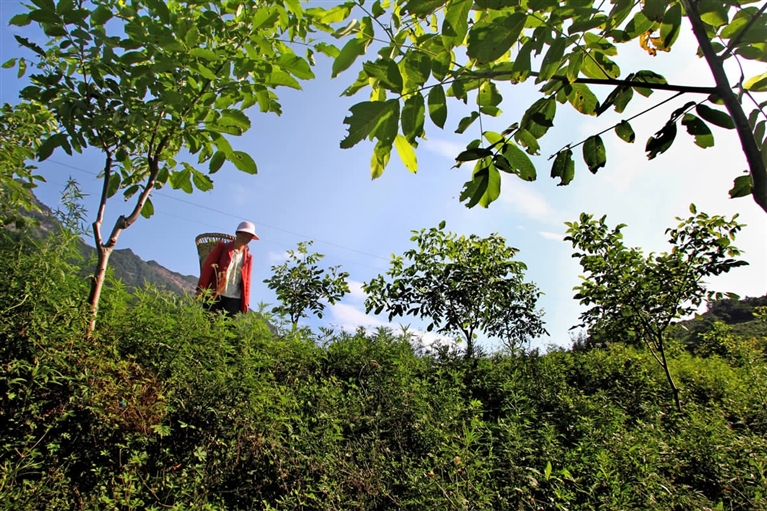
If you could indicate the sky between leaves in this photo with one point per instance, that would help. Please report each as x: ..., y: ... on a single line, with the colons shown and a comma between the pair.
x: 309, y: 188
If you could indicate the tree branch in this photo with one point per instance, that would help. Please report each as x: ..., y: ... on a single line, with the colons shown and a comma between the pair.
x: 609, y: 81
x: 571, y: 146
x: 731, y: 102
x: 103, y: 203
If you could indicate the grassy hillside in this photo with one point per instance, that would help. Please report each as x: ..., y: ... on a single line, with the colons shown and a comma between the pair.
x: 168, y: 408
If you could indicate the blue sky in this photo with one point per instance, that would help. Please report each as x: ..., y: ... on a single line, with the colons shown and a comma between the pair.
x: 309, y: 188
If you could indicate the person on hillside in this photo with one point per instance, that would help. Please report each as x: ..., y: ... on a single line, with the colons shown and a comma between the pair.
x: 226, y: 272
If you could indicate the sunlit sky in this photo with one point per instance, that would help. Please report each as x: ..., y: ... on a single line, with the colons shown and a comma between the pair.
x: 307, y: 188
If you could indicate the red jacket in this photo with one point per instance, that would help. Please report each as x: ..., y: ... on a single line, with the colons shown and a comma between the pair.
x: 213, y: 274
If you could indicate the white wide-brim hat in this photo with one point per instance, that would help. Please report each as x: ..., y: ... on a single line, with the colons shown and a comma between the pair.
x: 249, y: 228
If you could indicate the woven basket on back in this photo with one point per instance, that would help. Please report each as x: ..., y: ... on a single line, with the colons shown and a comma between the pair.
x: 206, y: 242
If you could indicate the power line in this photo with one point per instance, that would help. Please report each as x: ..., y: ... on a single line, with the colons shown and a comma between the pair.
x: 225, y: 213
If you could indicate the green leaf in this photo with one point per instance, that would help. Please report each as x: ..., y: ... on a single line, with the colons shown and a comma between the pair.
x: 661, y: 141
x: 714, y: 116
x: 201, y: 181
x: 638, y: 25
x: 203, y: 53
x: 699, y: 129
x: 490, y: 38
x: 596, y: 65
x: 423, y: 8
x: 380, y: 159
x: 484, y: 187
x: 216, y: 162
x: 8, y: 64
x: 349, y: 53
x: 519, y: 161
x: 625, y: 132
x: 467, y: 121
x: 553, y: 59
x: 440, y: 64
x: 134, y: 57
x: 45, y: 16
x: 243, y: 162
x: 594, y: 153
x: 413, y: 117
x: 46, y: 148
x: 114, y: 184
x: 756, y: 83
x: 385, y: 71
x: 101, y: 15
x: 647, y: 77
x: 20, y: 20
x: 654, y: 9
x: 539, y: 117
x: 473, y: 154
x: 456, y: 23
x: 406, y: 153
x: 527, y: 139
x: 437, y: 106
x: 182, y: 180
x: 235, y: 118
x: 147, y: 210
x: 669, y: 29
x: 742, y: 186
x: 327, y: 49
x: 415, y: 68
x: 365, y: 118
x: 489, y: 98
x: 281, y: 78
x: 583, y: 99
x: 563, y: 167
x: 713, y: 12
x: 296, y: 66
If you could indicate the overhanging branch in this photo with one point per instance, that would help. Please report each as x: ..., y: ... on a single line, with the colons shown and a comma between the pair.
x: 607, y: 81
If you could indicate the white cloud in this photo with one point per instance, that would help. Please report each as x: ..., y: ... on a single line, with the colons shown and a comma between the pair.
x: 552, y: 236
x: 277, y: 257
x: 355, y: 290
x: 349, y: 318
x: 524, y: 199
x: 444, y: 148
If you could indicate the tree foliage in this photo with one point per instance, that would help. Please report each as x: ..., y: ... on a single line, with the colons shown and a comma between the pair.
x: 143, y: 80
x: 635, y: 297
x: 462, y: 286
x: 431, y: 50
x: 22, y: 128
x: 301, y: 285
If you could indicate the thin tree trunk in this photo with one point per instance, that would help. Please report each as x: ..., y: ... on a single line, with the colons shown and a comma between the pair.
x: 674, y: 389
x: 731, y: 102
x: 97, y: 285
x: 104, y: 249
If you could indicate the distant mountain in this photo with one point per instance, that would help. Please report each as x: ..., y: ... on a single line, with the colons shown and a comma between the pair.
x: 739, y: 314
x: 133, y: 271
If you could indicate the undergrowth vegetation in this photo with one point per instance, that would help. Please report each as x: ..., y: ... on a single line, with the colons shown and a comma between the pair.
x: 169, y: 408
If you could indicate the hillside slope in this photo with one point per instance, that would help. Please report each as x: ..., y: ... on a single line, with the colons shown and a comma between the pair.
x: 132, y: 271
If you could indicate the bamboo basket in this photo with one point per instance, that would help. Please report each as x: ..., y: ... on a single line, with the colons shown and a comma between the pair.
x: 205, y: 243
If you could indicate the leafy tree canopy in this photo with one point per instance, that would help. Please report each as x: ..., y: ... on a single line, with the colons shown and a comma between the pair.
x: 301, y: 285
x: 21, y: 129
x: 432, y: 50
x: 635, y: 297
x: 142, y: 80
x: 462, y: 285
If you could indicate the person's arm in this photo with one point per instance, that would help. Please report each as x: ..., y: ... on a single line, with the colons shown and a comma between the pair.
x: 247, y: 265
x: 206, y: 274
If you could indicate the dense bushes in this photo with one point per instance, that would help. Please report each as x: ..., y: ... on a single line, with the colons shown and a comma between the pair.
x: 167, y: 408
